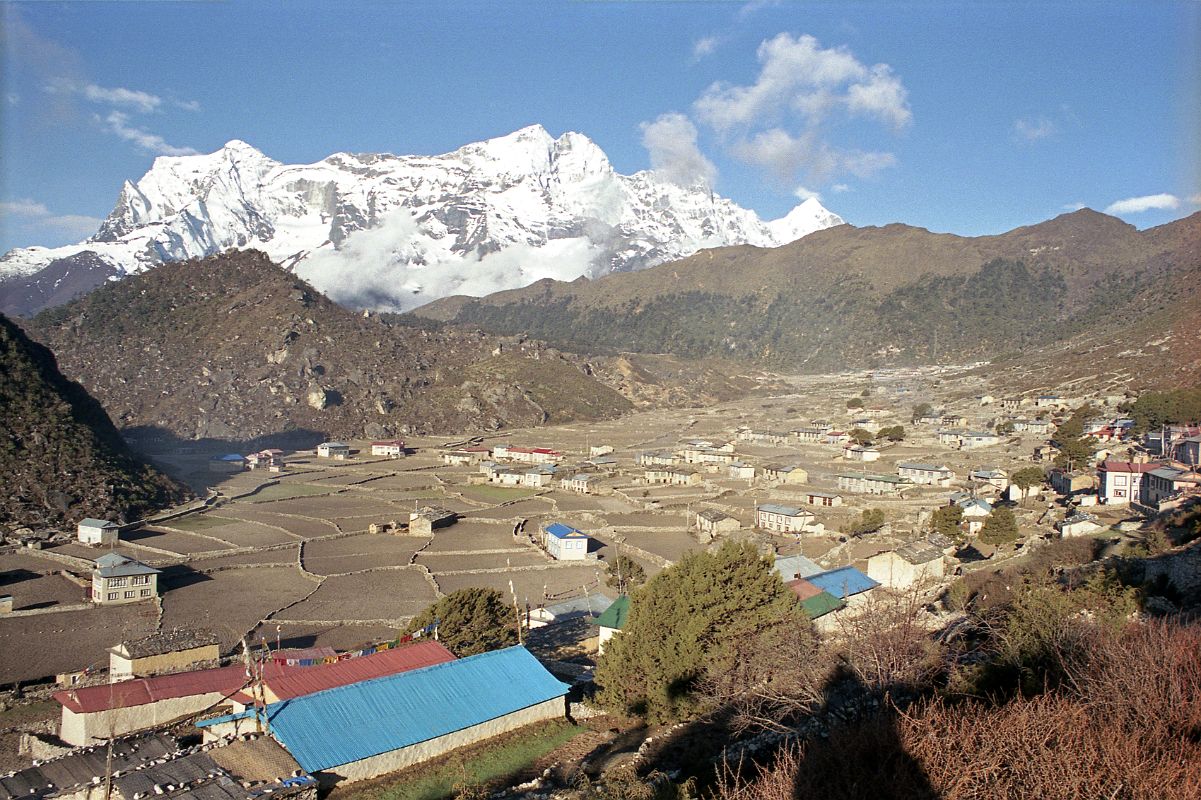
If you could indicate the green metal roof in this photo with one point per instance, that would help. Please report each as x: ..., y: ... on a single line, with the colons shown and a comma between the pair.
x: 615, y: 615
x: 821, y: 604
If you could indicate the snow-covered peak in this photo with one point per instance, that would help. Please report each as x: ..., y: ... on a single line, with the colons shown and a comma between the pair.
x: 392, y: 232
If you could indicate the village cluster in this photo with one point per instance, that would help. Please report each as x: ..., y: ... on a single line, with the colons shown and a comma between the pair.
x: 182, y: 618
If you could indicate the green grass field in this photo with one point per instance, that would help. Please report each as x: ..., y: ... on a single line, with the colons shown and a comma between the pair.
x: 288, y: 491
x: 497, y: 494
x: 477, y: 766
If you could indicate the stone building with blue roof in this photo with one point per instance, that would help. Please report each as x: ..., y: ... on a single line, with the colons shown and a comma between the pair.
x: 363, y: 730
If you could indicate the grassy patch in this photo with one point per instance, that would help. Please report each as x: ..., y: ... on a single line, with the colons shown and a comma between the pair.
x: 286, y: 492
x: 497, y: 494
x: 29, y: 712
x: 478, y: 765
x: 198, y: 522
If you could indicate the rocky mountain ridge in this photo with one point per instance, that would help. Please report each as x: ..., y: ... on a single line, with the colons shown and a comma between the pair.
x: 850, y: 297
x: 61, y: 458
x: 392, y: 232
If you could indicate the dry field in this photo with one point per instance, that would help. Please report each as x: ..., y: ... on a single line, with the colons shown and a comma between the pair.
x: 230, y: 602
x: 530, y: 584
x: 388, y: 594
x: 297, y: 526
x: 521, y: 510
x: 174, y: 541
x: 439, y: 564
x: 366, y: 551
x: 472, y: 536
x: 280, y: 556
x: 346, y: 636
x: 40, y: 591
x: 46, y: 644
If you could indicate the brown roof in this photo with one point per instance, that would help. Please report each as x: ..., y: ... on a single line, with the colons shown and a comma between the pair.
x: 803, y: 589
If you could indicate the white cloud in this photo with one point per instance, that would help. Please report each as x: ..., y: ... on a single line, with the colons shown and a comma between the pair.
x: 37, y: 215
x: 776, y: 122
x: 705, y: 46
x: 1195, y: 199
x: 1073, y: 206
x: 1034, y: 129
x: 671, y: 142
x: 799, y: 73
x: 1148, y: 202
x: 840, y: 188
x: 806, y: 194
x: 143, y: 102
x: 386, y: 267
x: 117, y: 122
x: 187, y: 105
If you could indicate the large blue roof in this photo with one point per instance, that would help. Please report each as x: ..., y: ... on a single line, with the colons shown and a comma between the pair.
x: 353, y: 722
x: 842, y: 582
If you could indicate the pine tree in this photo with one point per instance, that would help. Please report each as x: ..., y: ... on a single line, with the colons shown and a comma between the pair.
x: 1001, y: 527
x: 690, y: 624
x: 471, y: 621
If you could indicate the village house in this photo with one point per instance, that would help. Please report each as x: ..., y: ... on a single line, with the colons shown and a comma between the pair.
x: 837, y: 437
x: 427, y: 519
x: 1078, y: 524
x: 867, y: 483
x: 821, y: 424
x: 590, y: 606
x: 845, y: 583
x: 600, y: 450
x: 1070, y: 482
x: 926, y: 474
x: 705, y: 453
x: 1188, y: 451
x: 953, y: 420
x: 1011, y: 403
x: 1045, y: 452
x: 913, y: 563
x: 393, y: 448
x: 785, y: 473
x: 764, y: 437
x: 505, y: 476
x: 538, y: 476
x: 160, y: 653
x: 673, y: 476
x: 228, y: 463
x: 1121, y: 482
x: 265, y: 459
x: 741, y: 471
x: 975, y: 511
x: 447, y: 706
x: 606, y: 462
x: 582, y: 483
x: 527, y: 455
x: 241, y: 770
x: 657, y: 459
x: 1167, y: 482
x: 120, y: 579
x: 714, y: 523
x: 974, y: 439
x: 1039, y: 427
x: 950, y: 438
x: 857, y: 452
x: 815, y: 601
x: 996, y: 478
x: 565, y: 543
x: 929, y: 419
x: 98, y: 532
x: 814, y: 435
x: 466, y: 455
x: 1048, y: 401
x: 611, y: 621
x: 825, y: 499
x: 339, y: 451
x: 796, y: 566
x: 786, y: 519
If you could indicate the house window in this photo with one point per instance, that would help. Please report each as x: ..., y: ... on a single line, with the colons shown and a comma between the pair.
x: 113, y: 595
x: 139, y: 580
x: 129, y: 595
x: 1120, y: 480
x: 115, y: 582
x: 145, y: 593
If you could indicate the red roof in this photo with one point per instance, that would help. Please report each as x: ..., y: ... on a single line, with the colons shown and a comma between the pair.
x: 1129, y: 466
x: 141, y: 691
x: 803, y: 589
x: 306, y: 680
x: 284, y: 680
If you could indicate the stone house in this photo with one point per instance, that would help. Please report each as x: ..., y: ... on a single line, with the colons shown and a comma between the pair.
x: 98, y: 532
x: 867, y: 483
x: 786, y: 519
x: 160, y: 653
x: 339, y: 451
x: 825, y: 499
x: 926, y: 474
x: 741, y: 471
x: 857, y: 452
x: 714, y: 523
x: 1078, y: 524
x: 915, y: 562
x: 118, y: 579
x: 785, y: 473
x: 427, y: 519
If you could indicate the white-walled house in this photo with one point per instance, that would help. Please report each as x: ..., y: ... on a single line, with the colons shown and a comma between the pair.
x: 118, y: 579
x: 98, y: 531
x: 916, y: 562
x: 787, y: 519
x: 565, y: 543
x: 393, y: 448
x: 339, y: 451
x: 926, y: 474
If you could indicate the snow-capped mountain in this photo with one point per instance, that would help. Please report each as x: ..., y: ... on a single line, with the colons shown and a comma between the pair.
x: 392, y: 232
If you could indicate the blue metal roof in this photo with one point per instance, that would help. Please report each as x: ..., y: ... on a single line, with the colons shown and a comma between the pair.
x: 842, y: 582
x: 561, y: 531
x: 353, y: 722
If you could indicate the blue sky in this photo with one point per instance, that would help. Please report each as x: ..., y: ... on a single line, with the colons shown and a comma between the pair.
x: 971, y: 118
